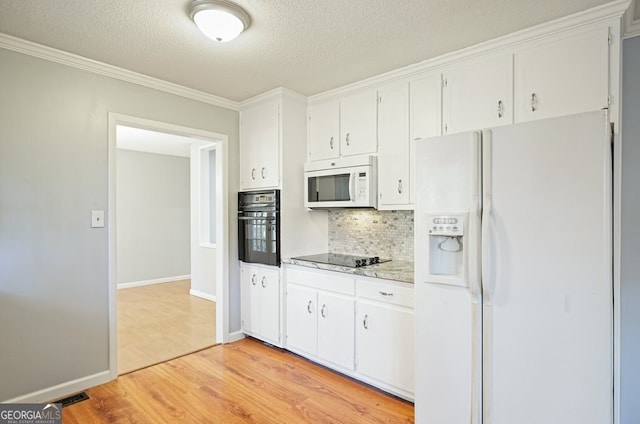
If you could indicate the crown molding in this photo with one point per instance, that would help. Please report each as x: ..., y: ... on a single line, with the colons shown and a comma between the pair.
x: 600, y: 15
x: 268, y: 95
x: 19, y: 45
x: 631, y: 24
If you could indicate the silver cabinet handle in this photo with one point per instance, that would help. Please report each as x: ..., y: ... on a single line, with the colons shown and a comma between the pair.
x: 347, y: 139
x: 500, y: 109
x: 264, y: 282
x: 253, y: 173
x: 365, y: 322
x: 253, y: 279
x: 400, y: 186
x: 534, y: 102
x: 388, y: 294
x: 331, y: 143
x: 263, y: 172
x: 323, y: 311
x: 309, y: 307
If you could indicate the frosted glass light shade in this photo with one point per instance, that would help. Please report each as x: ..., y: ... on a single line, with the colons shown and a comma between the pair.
x: 219, y: 20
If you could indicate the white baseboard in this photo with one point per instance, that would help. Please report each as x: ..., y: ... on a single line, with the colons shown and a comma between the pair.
x: 235, y: 336
x: 155, y: 281
x: 203, y: 295
x: 65, y: 389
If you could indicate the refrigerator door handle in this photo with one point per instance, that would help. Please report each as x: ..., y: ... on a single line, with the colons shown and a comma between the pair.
x: 487, y: 216
x: 486, y: 240
x: 475, y: 254
x: 474, y: 233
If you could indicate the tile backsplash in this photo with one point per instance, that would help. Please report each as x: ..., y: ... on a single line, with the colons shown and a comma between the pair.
x: 368, y: 232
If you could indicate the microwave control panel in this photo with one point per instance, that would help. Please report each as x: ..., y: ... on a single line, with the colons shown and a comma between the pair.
x: 361, y: 185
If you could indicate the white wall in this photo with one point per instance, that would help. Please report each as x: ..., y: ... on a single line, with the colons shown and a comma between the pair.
x: 54, y: 317
x: 630, y: 236
x: 153, y: 216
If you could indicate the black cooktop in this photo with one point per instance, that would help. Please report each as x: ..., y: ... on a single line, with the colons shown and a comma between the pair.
x: 351, y: 261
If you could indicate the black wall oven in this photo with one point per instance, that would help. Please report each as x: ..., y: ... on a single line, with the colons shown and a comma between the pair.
x: 259, y: 227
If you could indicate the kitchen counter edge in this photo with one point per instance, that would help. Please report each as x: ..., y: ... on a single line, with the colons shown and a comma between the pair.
x: 393, y: 270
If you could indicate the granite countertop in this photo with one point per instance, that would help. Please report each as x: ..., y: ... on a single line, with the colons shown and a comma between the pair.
x: 393, y: 270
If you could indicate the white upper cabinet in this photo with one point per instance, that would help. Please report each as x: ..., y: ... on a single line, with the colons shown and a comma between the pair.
x: 324, y: 131
x: 260, y: 146
x: 394, y: 168
x: 425, y: 116
x: 343, y: 127
x: 563, y: 76
x: 425, y: 97
x: 478, y: 94
x: 358, y: 113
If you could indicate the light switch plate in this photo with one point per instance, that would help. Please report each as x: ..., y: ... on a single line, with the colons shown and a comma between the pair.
x: 97, y: 219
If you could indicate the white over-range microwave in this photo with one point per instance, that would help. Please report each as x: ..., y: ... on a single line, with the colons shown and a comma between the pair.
x: 348, y: 182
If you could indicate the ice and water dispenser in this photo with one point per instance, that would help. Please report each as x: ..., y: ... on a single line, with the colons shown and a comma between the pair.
x: 446, y: 245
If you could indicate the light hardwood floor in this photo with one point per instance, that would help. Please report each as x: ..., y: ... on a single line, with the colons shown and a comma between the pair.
x: 242, y: 382
x: 161, y: 322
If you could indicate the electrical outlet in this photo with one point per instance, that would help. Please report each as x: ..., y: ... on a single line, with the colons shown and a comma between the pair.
x: 97, y: 219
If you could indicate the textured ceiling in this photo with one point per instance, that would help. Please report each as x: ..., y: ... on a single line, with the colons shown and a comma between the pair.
x: 309, y: 46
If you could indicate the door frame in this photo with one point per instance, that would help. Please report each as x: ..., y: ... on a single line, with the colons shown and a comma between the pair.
x: 222, y: 221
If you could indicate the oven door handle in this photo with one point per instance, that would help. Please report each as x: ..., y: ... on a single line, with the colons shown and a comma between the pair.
x: 250, y: 218
x: 256, y: 205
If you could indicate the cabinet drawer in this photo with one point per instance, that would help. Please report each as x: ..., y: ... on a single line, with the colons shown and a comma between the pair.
x: 322, y: 280
x: 387, y: 293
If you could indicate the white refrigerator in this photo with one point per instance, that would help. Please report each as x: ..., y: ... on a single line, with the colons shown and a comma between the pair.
x: 513, y: 274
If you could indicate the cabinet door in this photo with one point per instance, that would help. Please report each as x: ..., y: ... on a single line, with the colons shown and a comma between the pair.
x: 336, y: 342
x: 358, y: 114
x: 393, y: 150
x: 302, y: 319
x: 425, y: 117
x: 324, y: 131
x: 425, y: 95
x: 478, y: 95
x: 563, y: 77
x: 259, y: 146
x: 385, y: 344
x: 250, y: 295
x: 270, y: 305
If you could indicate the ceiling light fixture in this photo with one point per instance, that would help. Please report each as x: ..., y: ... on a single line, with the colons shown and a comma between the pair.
x: 219, y: 20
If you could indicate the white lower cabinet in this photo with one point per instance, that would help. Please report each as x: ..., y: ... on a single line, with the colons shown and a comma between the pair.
x: 362, y: 328
x: 335, y: 329
x: 302, y: 319
x: 384, y: 335
x: 320, y: 317
x: 260, y: 294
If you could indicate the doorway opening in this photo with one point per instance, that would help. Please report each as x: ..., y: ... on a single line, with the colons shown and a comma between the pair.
x: 167, y: 258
